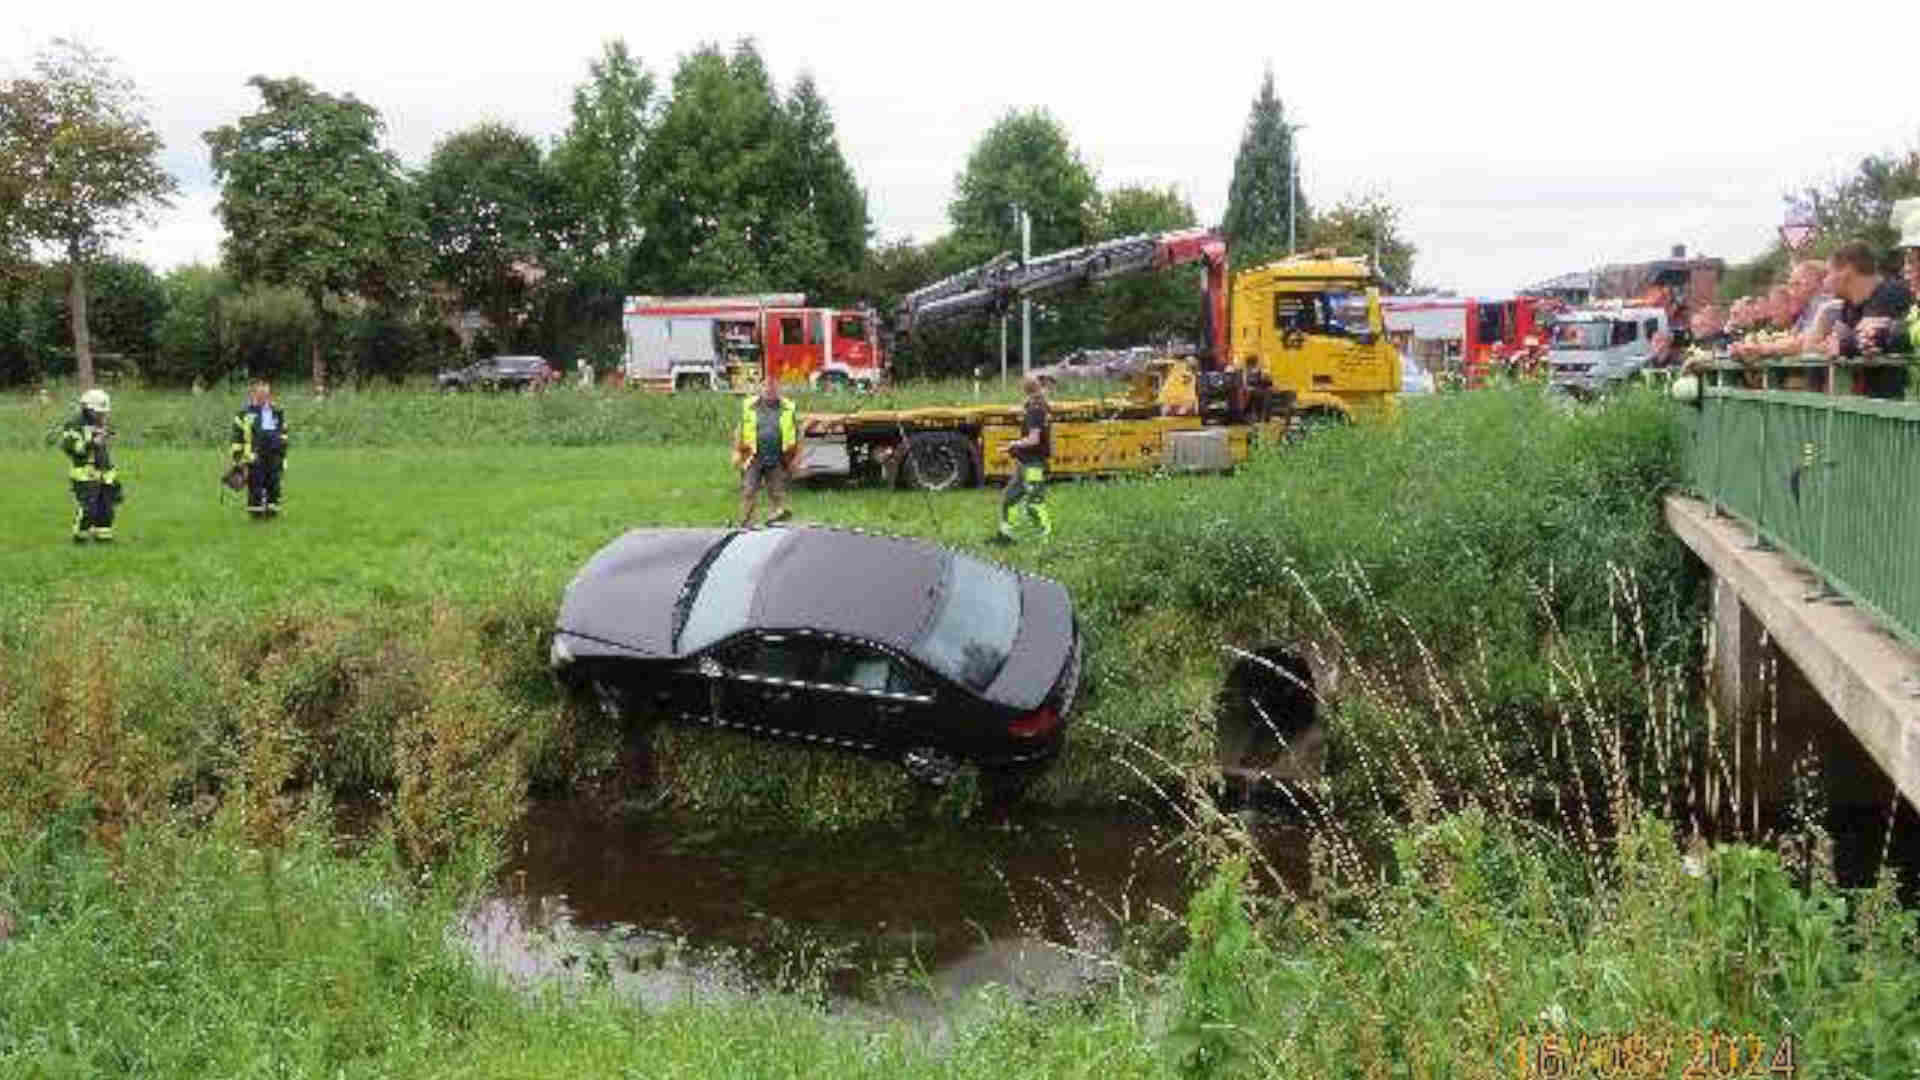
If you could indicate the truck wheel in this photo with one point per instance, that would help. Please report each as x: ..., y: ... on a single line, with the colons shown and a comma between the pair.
x: 692, y: 380
x: 836, y: 382
x: 1304, y: 424
x: 938, y: 461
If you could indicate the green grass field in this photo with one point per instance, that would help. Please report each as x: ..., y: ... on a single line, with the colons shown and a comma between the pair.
x: 1488, y: 577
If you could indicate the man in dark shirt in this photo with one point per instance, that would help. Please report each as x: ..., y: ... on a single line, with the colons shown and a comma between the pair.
x: 764, y: 449
x: 1870, y: 319
x: 1027, y: 487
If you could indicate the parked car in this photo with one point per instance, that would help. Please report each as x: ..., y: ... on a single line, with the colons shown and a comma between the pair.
x: 889, y: 647
x: 500, y: 373
x: 1101, y: 364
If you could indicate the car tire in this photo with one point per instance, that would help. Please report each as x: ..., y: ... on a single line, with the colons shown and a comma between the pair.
x: 937, y: 461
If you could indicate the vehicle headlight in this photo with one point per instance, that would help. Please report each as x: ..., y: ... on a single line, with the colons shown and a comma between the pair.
x: 558, y: 655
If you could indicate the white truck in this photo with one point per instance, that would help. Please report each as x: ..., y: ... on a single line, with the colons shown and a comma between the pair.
x: 1599, y: 347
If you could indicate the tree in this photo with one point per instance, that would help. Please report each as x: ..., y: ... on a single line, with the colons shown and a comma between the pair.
x: 714, y: 160
x: 190, y: 339
x: 79, y: 168
x: 1152, y: 307
x: 1369, y: 225
x: 823, y: 237
x: 1860, y: 206
x: 1258, y: 213
x: 600, y: 163
x: 1024, y: 159
x: 483, y: 195
x: 312, y: 202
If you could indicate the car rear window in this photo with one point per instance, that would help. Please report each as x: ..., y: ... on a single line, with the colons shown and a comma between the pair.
x: 974, y: 630
x: 725, y: 590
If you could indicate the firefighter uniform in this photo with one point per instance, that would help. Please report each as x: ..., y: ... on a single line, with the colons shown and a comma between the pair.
x: 85, y: 440
x: 260, y: 444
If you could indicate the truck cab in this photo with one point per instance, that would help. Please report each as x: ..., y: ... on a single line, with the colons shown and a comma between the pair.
x: 1595, y: 349
x: 1313, y: 325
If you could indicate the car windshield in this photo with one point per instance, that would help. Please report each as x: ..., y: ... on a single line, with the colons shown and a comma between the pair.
x: 974, y: 630
x: 725, y: 588
x: 1580, y: 335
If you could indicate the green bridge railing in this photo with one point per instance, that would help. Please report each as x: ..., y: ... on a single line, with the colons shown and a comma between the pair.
x: 1832, y: 479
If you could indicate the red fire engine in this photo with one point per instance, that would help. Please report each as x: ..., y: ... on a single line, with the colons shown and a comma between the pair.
x: 725, y: 342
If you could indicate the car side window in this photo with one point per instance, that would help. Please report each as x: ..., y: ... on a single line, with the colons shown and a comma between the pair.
x: 845, y: 663
x: 791, y: 657
x: 792, y: 331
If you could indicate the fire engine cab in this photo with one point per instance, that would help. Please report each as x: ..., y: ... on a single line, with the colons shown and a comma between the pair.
x: 730, y: 342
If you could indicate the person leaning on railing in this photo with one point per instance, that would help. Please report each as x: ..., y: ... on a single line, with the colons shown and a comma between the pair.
x: 1874, y: 320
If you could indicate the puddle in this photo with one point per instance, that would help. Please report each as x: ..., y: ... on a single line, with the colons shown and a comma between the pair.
x: 909, y: 922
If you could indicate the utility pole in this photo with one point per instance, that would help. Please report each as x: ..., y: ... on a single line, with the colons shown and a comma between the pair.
x: 1026, y: 305
x: 1003, y: 346
x: 1293, y: 188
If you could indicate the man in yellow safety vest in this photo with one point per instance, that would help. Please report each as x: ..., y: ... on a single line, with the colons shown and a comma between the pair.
x: 764, y: 448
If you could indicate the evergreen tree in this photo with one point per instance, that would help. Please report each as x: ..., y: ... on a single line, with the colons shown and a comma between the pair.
x: 1257, y: 203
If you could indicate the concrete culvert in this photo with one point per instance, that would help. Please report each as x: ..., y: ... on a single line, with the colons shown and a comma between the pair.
x: 1268, y: 726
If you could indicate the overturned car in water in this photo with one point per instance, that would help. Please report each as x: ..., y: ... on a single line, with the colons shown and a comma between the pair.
x: 889, y: 647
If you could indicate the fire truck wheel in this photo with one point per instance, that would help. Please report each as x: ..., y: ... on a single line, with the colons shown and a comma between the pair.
x: 938, y: 461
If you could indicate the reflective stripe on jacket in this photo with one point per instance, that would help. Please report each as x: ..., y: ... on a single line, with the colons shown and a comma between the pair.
x: 84, y: 456
x: 246, y: 422
x: 750, y: 425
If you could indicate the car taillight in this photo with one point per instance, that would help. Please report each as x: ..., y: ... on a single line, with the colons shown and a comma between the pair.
x: 1036, y: 723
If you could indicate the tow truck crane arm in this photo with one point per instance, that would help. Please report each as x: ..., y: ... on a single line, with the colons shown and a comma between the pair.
x: 997, y: 283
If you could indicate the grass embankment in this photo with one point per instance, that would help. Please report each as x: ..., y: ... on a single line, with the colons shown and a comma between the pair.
x: 410, y: 584
x: 1488, y: 577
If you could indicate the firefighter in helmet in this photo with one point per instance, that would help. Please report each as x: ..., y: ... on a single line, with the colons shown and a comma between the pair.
x: 86, y: 439
x: 260, y: 444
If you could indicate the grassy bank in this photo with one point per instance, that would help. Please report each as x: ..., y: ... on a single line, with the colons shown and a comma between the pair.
x: 1500, y: 619
x: 1484, y: 538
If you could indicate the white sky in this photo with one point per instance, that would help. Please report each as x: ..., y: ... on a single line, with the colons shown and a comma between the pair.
x: 1522, y: 140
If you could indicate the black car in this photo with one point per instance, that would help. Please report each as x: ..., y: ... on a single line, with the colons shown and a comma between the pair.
x: 889, y: 647
x: 499, y: 373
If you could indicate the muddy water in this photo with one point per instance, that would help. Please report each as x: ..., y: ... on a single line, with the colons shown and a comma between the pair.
x: 905, y: 920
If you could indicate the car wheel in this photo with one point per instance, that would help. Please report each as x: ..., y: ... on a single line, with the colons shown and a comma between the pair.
x: 938, y: 461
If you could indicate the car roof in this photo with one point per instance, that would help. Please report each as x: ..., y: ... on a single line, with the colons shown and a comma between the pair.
x: 877, y: 587
x: 884, y: 589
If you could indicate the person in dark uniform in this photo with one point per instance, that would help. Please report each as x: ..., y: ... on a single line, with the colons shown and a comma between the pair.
x: 260, y: 444
x: 1027, y: 488
x: 85, y: 440
x: 764, y: 449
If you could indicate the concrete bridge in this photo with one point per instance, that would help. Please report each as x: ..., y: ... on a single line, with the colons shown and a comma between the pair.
x: 1806, y: 509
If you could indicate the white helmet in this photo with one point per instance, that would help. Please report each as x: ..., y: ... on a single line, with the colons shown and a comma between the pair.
x: 95, y: 400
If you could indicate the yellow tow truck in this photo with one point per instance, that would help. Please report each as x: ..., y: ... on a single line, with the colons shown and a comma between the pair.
x: 1307, y: 341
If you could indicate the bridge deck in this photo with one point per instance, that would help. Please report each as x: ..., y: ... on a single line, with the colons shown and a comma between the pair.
x: 1869, y: 677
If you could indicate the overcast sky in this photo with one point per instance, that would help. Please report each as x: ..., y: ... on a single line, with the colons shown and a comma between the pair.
x: 1521, y: 140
